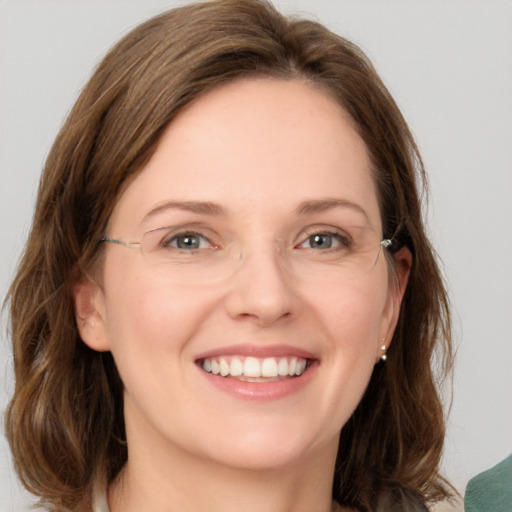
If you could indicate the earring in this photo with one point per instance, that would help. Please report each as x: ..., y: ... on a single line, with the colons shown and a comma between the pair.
x: 383, y: 357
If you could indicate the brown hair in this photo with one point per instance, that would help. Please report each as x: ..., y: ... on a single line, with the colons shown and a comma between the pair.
x: 65, y: 421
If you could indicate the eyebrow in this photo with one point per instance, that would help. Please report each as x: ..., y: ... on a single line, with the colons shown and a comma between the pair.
x: 200, y: 207
x: 215, y: 209
x: 320, y: 205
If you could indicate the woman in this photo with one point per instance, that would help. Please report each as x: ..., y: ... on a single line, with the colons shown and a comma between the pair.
x: 227, y: 299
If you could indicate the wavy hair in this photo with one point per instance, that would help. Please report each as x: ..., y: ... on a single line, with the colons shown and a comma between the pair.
x: 65, y: 421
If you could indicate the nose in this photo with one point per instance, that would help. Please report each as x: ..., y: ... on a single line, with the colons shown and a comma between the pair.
x: 261, y: 290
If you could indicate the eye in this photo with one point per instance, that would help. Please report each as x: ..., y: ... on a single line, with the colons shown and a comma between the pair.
x: 188, y: 241
x: 325, y: 240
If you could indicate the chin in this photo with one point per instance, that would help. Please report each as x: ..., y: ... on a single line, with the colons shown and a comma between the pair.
x: 267, y: 446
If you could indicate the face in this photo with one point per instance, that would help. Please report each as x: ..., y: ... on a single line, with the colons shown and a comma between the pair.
x: 264, y: 185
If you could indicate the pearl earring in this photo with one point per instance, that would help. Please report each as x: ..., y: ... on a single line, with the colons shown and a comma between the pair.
x: 383, y: 357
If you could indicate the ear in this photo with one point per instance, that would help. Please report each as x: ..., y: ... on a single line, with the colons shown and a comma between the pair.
x: 90, y: 315
x: 400, y: 278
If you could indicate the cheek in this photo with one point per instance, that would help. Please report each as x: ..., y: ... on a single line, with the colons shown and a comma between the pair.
x: 347, y: 320
x: 351, y: 318
x: 352, y: 313
x: 148, y: 318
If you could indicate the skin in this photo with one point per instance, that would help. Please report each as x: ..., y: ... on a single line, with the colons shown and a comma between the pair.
x: 258, y: 148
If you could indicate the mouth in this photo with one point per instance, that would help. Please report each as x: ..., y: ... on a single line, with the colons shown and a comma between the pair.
x: 255, y: 369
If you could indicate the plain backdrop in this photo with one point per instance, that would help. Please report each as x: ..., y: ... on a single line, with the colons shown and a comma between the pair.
x: 447, y: 62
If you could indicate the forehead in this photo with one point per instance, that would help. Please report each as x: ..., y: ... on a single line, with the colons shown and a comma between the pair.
x: 255, y: 145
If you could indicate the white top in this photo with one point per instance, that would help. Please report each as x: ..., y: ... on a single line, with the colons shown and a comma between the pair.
x: 100, y: 503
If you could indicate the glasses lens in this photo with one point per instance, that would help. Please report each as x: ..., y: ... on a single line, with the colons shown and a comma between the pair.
x: 190, y: 257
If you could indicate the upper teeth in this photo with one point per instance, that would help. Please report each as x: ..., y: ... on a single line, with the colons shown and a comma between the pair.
x: 255, y: 367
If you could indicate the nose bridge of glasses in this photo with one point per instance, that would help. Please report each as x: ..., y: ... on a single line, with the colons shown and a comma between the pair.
x: 260, y: 258
x: 258, y: 251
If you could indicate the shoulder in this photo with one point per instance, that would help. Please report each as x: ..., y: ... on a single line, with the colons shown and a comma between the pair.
x: 491, y: 490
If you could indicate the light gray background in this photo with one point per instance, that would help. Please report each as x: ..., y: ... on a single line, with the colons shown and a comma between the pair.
x: 448, y: 64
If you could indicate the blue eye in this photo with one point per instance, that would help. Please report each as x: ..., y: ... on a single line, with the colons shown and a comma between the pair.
x: 321, y: 241
x: 324, y: 240
x: 188, y: 241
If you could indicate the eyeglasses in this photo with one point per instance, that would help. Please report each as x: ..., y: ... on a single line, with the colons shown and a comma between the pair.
x: 191, y: 254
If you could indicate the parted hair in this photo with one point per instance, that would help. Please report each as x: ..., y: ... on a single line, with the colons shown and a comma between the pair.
x: 65, y: 421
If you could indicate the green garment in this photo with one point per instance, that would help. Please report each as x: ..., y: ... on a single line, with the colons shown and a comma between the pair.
x: 491, y: 491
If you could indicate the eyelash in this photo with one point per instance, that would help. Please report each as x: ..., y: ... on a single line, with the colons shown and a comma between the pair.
x: 167, y: 242
x: 342, y: 238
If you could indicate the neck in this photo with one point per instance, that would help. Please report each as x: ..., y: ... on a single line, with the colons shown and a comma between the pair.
x: 185, y: 483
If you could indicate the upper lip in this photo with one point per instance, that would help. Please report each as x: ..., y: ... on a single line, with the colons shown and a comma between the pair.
x: 260, y: 351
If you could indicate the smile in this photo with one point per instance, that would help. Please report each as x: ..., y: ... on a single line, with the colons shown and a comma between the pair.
x: 255, y: 369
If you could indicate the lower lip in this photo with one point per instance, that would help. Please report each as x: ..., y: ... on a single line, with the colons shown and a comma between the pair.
x: 263, y: 391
